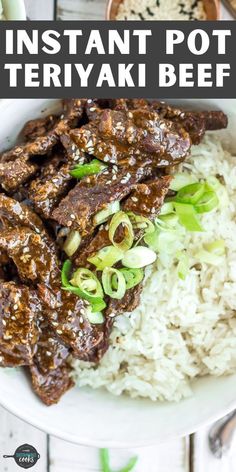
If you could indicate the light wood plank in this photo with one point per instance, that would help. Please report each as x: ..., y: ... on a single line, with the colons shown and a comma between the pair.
x: 14, y: 433
x: 171, y: 457
x: 204, y: 459
x: 40, y: 9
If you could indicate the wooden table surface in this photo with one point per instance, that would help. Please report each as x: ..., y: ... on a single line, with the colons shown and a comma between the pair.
x: 189, y: 454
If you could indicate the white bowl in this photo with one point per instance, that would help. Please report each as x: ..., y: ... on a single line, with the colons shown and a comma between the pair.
x: 97, y: 418
x: 14, y: 9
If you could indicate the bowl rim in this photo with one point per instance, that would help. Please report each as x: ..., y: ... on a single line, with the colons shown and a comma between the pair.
x: 72, y: 438
x: 75, y: 438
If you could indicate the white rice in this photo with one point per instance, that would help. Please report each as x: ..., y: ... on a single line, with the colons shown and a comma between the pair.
x: 161, y: 10
x: 182, y: 329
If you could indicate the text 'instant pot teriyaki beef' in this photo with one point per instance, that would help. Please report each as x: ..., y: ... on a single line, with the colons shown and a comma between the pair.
x: 79, y: 196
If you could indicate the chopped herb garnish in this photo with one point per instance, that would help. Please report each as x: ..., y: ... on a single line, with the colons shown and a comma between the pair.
x: 93, y: 167
x: 105, y: 462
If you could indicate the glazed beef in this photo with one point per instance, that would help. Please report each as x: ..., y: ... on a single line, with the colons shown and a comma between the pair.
x: 34, y: 129
x: 33, y: 256
x: 99, y: 241
x: 67, y: 315
x: 94, y: 193
x: 51, y: 386
x: 73, y: 153
x: 50, y: 372
x: 118, y: 136
x: 15, y: 172
x: 13, y: 213
x: 46, y: 191
x: 196, y: 123
x: 19, y: 312
x: 128, y: 303
x: 15, y: 165
x: 147, y: 199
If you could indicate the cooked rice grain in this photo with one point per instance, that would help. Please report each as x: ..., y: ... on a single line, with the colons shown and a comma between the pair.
x: 182, y: 329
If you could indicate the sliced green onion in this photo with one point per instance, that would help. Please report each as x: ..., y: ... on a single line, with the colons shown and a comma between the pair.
x: 72, y: 243
x: 105, y: 460
x: 98, y: 305
x: 208, y: 257
x: 92, y: 290
x: 207, y: 202
x: 132, y: 277
x: 190, y: 194
x: 167, y: 222
x: 221, y: 192
x: 81, y: 170
x: 65, y: 273
x: 87, y: 282
x: 183, y: 265
x: 212, y: 253
x: 121, y: 218
x: 181, y: 180
x: 94, y: 317
x: 152, y: 240
x: 131, y: 464
x: 113, y: 282
x: 141, y: 222
x: 138, y: 257
x: 168, y: 242
x: 188, y: 216
x: 106, y: 257
x: 103, y: 215
x: 167, y: 207
x: 217, y: 247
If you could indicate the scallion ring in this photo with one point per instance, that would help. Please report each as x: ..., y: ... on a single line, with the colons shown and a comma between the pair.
x: 65, y: 273
x: 132, y: 277
x: 181, y: 180
x: 113, y: 282
x: 103, y: 215
x: 72, y: 243
x: 207, y: 202
x: 122, y: 220
x: 88, y: 283
x: 138, y: 257
x: 183, y: 265
x: 190, y: 194
x: 106, y: 257
x: 188, y: 216
x: 216, y: 247
x: 141, y: 222
x: 94, y: 317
